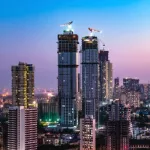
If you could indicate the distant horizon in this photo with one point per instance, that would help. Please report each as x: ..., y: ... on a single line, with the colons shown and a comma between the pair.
x: 28, y: 33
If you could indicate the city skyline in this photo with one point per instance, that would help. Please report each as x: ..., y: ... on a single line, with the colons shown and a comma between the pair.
x: 29, y: 33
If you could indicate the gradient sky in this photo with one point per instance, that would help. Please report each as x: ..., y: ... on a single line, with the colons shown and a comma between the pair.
x: 29, y: 28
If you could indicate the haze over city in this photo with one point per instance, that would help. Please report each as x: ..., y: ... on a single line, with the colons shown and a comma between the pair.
x: 28, y: 33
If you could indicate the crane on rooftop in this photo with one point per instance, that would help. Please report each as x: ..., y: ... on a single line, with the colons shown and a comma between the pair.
x: 66, y: 24
x: 95, y: 30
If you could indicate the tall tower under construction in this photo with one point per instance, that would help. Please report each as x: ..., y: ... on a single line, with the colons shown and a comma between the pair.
x: 89, y: 92
x: 89, y: 74
x: 67, y: 78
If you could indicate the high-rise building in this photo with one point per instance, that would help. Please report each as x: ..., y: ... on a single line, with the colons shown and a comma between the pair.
x: 131, y: 84
x: 105, y: 77
x: 22, y: 128
x: 22, y: 117
x: 89, y: 92
x: 87, y: 132
x: 67, y: 78
x: 89, y: 75
x: 118, y: 127
x: 116, y: 88
x: 23, y: 84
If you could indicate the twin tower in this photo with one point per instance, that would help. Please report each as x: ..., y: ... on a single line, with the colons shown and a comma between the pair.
x: 96, y: 78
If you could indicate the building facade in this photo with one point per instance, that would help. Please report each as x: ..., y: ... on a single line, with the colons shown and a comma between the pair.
x: 48, y: 110
x: 87, y: 132
x: 131, y: 84
x: 118, y: 127
x: 23, y: 84
x: 22, y: 116
x: 105, y: 77
x: 90, y: 86
x: 89, y: 75
x: 144, y: 91
x: 132, y: 98
x: 22, y: 128
x: 67, y: 78
x: 116, y: 94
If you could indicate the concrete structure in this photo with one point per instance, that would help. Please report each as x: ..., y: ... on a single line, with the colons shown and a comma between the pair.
x: 67, y: 78
x: 87, y: 133
x: 22, y: 128
x: 23, y: 84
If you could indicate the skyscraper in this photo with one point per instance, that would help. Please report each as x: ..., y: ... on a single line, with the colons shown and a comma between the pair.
x: 89, y: 92
x: 67, y: 78
x: 23, y: 84
x: 22, y: 117
x: 105, y: 77
x: 118, y: 127
x: 89, y: 75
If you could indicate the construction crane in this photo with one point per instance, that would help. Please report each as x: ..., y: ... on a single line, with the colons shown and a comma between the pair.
x: 93, y: 30
x: 67, y: 24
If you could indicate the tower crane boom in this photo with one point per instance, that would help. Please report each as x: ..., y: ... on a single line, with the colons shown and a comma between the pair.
x: 66, y: 24
x: 93, y: 30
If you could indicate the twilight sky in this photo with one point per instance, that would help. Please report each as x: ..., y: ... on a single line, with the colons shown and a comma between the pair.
x: 29, y: 28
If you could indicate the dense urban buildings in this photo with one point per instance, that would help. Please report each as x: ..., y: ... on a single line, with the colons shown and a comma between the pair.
x: 88, y: 112
x: 67, y: 78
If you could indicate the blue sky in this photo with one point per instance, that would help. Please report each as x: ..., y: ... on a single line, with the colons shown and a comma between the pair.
x: 29, y: 28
